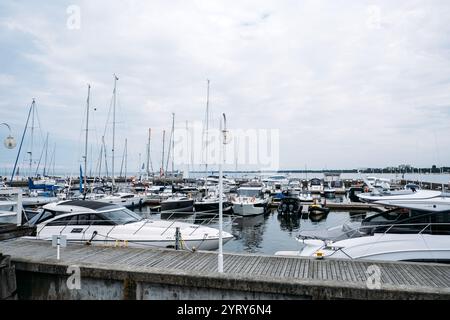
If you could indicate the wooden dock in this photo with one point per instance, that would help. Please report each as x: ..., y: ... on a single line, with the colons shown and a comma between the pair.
x: 11, y: 231
x: 245, y: 275
x: 355, y: 206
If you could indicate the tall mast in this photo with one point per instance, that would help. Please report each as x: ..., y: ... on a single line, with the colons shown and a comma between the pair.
x: 126, y: 158
x: 114, y: 128
x: 187, y: 147
x: 21, y: 143
x: 46, y: 156
x: 100, y: 162
x: 87, y: 137
x: 53, y: 159
x: 161, y: 173
x: 33, y: 106
x: 173, y: 144
x: 148, y: 152
x: 207, y: 129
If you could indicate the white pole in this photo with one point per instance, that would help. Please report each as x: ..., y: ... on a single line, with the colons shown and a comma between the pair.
x: 19, y: 208
x: 222, y: 147
x: 220, y: 211
x: 58, y: 244
x: 114, y: 129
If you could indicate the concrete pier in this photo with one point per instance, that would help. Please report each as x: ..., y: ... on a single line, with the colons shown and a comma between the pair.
x: 7, y: 279
x: 130, y: 273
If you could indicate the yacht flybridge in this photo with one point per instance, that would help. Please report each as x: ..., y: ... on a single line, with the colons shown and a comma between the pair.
x: 101, y: 223
x: 417, y: 230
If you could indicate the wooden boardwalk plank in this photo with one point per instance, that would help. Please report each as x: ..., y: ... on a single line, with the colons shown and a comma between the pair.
x: 354, y: 271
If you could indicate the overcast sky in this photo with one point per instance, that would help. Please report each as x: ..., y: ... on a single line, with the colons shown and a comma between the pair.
x: 348, y: 83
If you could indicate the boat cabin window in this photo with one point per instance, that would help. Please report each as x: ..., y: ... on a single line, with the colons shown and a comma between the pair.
x: 248, y: 192
x: 441, y: 223
x: 127, y: 196
x: 315, y: 182
x: 337, y: 184
x: 43, y: 216
x: 408, y: 221
x: 122, y: 216
x: 64, y: 221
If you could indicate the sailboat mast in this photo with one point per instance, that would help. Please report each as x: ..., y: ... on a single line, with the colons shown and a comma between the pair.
x: 46, y: 156
x: 161, y: 173
x: 100, y: 161
x: 148, y: 151
x: 33, y: 106
x: 53, y: 159
x: 187, y: 147
x: 87, y: 137
x: 126, y: 158
x: 114, y: 128
x: 207, y: 129
x: 173, y: 144
x: 21, y: 143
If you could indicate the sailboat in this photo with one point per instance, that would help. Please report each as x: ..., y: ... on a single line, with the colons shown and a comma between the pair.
x: 210, y: 203
x: 175, y: 203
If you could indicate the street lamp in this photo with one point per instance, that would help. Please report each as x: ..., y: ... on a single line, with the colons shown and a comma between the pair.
x: 221, y: 160
x: 9, y: 142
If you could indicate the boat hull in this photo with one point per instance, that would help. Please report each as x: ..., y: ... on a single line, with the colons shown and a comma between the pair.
x: 177, y: 206
x: 248, y: 209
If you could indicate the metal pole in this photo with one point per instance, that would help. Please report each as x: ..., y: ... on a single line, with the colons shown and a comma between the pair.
x: 114, y: 129
x: 19, y: 208
x: 206, y: 140
x: 161, y: 173
x: 126, y: 159
x: 86, y: 142
x: 58, y: 244
x: 173, y: 145
x: 21, y: 142
x: 177, y: 238
x: 148, y: 152
x: 220, y: 262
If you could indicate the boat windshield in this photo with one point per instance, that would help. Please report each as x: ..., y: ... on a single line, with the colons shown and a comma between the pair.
x: 122, y: 216
x: 248, y: 192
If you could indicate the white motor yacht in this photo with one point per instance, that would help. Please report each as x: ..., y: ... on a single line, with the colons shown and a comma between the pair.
x: 419, y: 230
x: 106, y: 224
x: 129, y: 200
x: 249, y: 200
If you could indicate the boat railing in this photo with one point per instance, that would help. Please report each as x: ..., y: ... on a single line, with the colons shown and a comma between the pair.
x: 361, y: 230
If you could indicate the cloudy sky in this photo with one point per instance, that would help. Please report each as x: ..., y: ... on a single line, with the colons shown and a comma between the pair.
x: 347, y: 83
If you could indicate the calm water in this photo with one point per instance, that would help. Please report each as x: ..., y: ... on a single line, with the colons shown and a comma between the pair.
x: 271, y: 232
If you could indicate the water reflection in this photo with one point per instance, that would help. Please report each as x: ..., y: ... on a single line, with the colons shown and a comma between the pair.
x: 249, y: 231
x: 357, y: 216
x: 271, y: 232
x: 317, y: 217
x: 289, y: 222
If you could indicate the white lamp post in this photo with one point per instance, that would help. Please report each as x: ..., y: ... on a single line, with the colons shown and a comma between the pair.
x: 9, y: 142
x: 221, y: 160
